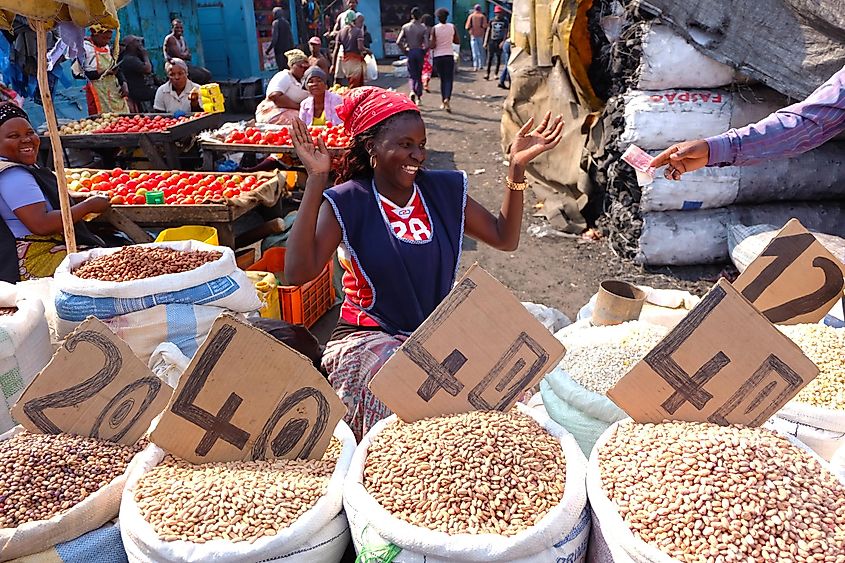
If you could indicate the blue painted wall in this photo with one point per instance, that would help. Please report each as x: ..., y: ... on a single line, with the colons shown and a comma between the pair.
x: 151, y: 20
x: 372, y: 19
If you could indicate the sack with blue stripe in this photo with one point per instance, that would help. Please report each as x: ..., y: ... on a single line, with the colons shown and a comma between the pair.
x: 177, y: 308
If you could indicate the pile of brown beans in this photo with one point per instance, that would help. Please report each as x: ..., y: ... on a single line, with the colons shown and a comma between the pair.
x: 483, y: 472
x: 703, y: 493
x: 141, y: 262
x: 42, y: 475
x: 8, y: 311
x: 235, y: 501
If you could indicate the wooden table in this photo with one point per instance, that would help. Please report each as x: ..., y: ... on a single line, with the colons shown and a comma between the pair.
x: 149, y: 143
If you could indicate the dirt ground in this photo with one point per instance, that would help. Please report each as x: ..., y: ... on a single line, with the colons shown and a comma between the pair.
x: 561, y: 272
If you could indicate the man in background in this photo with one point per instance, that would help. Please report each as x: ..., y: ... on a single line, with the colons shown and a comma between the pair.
x: 175, y: 47
x: 496, y: 34
x: 476, y: 26
x: 281, y: 40
x: 316, y: 57
x: 413, y: 40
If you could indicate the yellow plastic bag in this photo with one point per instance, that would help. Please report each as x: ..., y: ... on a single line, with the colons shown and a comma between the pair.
x: 207, y: 235
x: 268, y: 292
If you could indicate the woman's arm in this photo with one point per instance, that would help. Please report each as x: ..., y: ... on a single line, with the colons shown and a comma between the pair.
x: 282, y: 101
x: 39, y: 221
x: 502, y: 232
x: 432, y: 39
x: 455, y: 39
x: 315, y: 234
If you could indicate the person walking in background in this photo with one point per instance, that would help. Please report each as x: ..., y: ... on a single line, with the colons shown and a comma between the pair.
x: 477, y: 26
x: 428, y: 22
x: 443, y: 36
x: 413, y: 40
x: 175, y: 47
x: 281, y: 40
x: 106, y: 91
x: 351, y: 38
x: 316, y: 56
x: 137, y: 72
x: 506, y: 55
x: 497, y: 32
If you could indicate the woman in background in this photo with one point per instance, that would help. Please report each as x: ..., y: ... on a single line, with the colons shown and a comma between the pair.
x: 320, y: 108
x: 443, y: 36
x: 32, y: 244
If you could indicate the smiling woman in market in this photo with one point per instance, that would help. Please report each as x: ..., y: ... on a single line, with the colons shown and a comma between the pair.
x: 178, y: 94
x: 31, y: 241
x: 398, y: 229
x: 285, y: 92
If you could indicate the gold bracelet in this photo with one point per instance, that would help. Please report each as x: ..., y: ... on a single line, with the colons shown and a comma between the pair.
x: 516, y: 186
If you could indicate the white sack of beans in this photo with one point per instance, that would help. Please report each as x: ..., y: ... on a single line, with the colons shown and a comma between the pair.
x: 596, y: 358
x: 71, y: 476
x: 320, y: 533
x: 24, y: 347
x: 816, y: 415
x: 720, y: 494
x: 561, y: 534
x: 173, y: 307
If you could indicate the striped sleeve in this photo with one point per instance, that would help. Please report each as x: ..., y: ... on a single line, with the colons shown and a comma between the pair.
x: 787, y: 132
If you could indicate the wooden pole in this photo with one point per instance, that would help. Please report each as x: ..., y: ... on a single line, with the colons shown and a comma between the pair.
x: 53, y: 133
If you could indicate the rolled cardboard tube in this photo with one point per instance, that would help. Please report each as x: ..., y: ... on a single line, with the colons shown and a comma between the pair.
x: 617, y: 302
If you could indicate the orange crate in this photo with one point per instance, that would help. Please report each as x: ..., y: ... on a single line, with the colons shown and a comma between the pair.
x: 300, y: 304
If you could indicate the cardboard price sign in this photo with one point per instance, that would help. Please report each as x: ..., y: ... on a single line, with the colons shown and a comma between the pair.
x: 724, y: 363
x: 94, y: 386
x: 795, y: 279
x: 247, y: 396
x: 479, y: 350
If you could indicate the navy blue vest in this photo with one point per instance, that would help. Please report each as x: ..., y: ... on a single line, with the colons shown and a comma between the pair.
x: 409, y: 278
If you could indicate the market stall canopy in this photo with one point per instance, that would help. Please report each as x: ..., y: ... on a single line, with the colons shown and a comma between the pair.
x: 81, y: 12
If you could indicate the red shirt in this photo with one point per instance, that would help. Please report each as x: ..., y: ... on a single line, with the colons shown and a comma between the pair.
x: 409, y: 223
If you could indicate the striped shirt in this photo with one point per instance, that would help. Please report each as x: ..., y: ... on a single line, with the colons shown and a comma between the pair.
x: 787, y: 132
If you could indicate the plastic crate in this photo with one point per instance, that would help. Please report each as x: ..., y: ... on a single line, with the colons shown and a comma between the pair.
x: 299, y: 304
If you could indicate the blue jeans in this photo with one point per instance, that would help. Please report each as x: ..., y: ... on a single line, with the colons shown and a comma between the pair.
x: 416, y: 58
x: 506, y: 55
x: 477, y: 44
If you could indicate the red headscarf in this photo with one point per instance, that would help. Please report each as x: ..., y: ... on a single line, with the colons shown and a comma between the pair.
x: 367, y: 106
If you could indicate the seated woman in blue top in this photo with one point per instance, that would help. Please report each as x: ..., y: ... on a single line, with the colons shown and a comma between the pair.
x: 398, y: 230
x: 31, y: 240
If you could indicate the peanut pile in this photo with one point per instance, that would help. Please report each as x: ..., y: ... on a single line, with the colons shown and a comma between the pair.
x: 474, y: 473
x: 598, y: 367
x: 706, y: 493
x: 235, y: 501
x: 140, y: 262
x: 825, y: 346
x: 8, y: 311
x: 42, y: 475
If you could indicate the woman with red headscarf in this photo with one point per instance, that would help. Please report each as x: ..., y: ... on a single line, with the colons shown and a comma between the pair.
x: 398, y: 229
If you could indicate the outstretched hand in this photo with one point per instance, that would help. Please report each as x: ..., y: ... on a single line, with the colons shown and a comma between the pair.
x: 683, y: 157
x: 529, y: 144
x: 315, y: 158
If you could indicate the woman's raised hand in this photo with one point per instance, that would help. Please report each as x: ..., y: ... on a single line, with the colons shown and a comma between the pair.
x: 315, y: 158
x: 529, y: 144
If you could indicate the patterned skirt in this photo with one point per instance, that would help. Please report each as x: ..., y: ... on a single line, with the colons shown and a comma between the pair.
x: 351, y: 364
